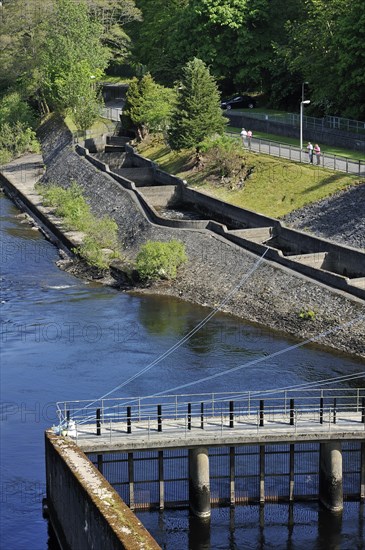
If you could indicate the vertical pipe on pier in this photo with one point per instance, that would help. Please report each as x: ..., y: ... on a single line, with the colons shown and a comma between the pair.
x: 199, y: 485
x: 262, y: 474
x: 232, y: 498
x: 330, y: 476
x: 362, y: 473
x: 161, y: 481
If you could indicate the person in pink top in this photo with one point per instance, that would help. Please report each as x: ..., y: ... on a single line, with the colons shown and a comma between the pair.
x: 317, y: 152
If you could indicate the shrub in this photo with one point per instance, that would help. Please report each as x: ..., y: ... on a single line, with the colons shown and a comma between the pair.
x: 221, y: 154
x: 158, y: 260
x: 307, y: 314
x: 17, y: 121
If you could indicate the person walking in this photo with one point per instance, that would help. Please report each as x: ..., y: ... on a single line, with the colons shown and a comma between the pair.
x: 310, y: 152
x: 243, y: 136
x: 317, y: 152
x: 249, y: 137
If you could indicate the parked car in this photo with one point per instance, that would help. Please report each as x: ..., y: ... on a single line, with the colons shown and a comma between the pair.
x: 239, y: 102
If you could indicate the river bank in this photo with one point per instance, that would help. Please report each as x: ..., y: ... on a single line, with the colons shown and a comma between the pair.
x: 265, y: 293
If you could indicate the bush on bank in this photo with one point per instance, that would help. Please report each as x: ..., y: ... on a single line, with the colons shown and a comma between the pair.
x: 159, y: 260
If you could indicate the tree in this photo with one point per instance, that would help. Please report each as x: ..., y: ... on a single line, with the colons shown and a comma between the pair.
x: 325, y: 48
x: 27, y: 29
x: 148, y: 106
x: 197, y: 114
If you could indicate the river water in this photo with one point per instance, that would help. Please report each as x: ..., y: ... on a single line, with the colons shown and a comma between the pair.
x: 63, y: 338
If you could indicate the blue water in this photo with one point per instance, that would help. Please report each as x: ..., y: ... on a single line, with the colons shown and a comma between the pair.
x: 63, y: 338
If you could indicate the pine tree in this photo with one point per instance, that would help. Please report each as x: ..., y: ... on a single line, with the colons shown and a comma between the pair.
x: 198, y: 114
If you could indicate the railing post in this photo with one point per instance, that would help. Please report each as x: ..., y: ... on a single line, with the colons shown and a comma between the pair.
x: 363, y: 410
x: 261, y: 412
x: 291, y: 413
x: 334, y: 410
x: 321, y: 410
x: 129, y: 420
x: 202, y: 416
x: 231, y: 414
x: 159, y: 418
x: 189, y: 416
x: 98, y: 424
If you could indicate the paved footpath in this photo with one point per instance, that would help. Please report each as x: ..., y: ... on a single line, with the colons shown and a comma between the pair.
x: 21, y: 175
x: 332, y: 162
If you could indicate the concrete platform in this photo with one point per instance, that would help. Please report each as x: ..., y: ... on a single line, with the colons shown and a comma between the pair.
x: 175, y: 433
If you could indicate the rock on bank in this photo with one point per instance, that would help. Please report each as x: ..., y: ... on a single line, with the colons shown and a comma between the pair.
x: 270, y: 294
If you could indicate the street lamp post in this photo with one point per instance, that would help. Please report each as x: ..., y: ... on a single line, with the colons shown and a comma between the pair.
x: 303, y: 84
x: 305, y: 102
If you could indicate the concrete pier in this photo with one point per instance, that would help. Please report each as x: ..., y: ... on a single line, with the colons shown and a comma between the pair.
x: 84, y: 510
x: 330, y: 476
x: 199, y: 486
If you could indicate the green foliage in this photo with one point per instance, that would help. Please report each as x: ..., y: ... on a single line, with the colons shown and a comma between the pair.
x: 14, y: 109
x: 100, y: 243
x: 15, y: 140
x: 159, y: 260
x: 307, y: 314
x: 16, y: 122
x: 197, y: 114
x: 72, y: 58
x: 221, y: 154
x: 148, y: 106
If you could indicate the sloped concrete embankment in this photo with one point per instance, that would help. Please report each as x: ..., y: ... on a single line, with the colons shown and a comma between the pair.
x: 271, y: 295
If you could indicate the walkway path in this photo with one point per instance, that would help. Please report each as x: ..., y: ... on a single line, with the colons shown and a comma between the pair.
x: 292, y: 153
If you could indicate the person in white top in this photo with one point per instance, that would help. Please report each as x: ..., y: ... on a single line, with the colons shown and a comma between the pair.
x: 243, y: 136
x: 310, y: 152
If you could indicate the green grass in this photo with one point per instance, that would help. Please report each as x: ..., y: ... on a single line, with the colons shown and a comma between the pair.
x: 275, y: 187
x: 100, y: 243
x: 100, y: 126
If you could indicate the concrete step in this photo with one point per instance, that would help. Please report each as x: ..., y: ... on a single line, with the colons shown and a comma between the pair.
x: 117, y: 140
x: 255, y: 234
x: 114, y: 148
x: 140, y: 176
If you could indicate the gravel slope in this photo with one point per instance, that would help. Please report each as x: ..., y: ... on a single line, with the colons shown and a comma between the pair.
x: 340, y: 218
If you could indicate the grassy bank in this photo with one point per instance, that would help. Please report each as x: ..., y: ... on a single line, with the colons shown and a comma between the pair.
x: 273, y: 187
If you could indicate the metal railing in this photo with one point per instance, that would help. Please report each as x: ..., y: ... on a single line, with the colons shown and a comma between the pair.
x: 292, y: 153
x: 310, y: 122
x: 185, y: 411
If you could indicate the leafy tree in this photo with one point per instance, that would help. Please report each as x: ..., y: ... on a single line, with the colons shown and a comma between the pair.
x: 71, y: 39
x: 17, y: 122
x: 114, y: 15
x: 325, y: 47
x: 148, y: 106
x: 14, y: 109
x: 349, y: 40
x: 197, y: 114
x: 158, y: 41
